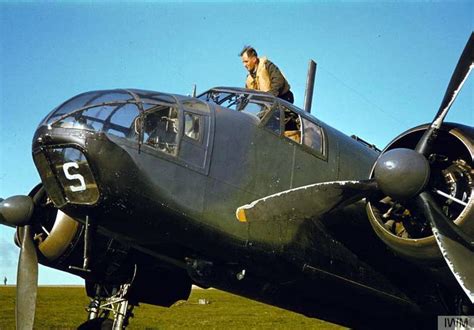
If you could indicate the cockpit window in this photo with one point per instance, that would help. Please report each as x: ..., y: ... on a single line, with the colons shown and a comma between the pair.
x: 192, y: 125
x: 115, y: 119
x: 257, y: 107
x: 273, y: 123
x: 87, y: 99
x: 119, y: 123
x: 113, y: 112
x: 229, y: 100
x: 160, y: 129
x: 215, y: 97
x: 240, y: 101
x: 292, y: 125
x: 313, y: 136
x: 195, y: 105
x: 153, y: 97
x: 297, y: 128
x: 110, y: 96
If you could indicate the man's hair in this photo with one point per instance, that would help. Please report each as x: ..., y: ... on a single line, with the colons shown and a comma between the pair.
x: 249, y: 50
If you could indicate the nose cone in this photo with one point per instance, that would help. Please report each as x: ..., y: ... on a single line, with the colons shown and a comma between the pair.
x: 16, y: 211
x: 402, y: 173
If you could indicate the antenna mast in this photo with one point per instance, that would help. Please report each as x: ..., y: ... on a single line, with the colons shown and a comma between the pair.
x: 308, y: 95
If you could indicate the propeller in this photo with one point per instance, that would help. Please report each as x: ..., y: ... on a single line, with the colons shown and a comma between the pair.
x: 403, y: 175
x: 17, y: 211
x: 26, y: 281
x: 456, y: 247
x: 460, y: 74
x: 458, y: 253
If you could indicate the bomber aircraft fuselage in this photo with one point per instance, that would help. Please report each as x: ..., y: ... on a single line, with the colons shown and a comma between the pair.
x: 144, y: 194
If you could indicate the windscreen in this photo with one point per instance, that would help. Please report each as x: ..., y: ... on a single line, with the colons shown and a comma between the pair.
x: 240, y: 101
x: 112, y: 111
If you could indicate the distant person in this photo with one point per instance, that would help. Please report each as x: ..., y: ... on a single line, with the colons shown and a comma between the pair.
x: 4, y: 280
x: 264, y: 75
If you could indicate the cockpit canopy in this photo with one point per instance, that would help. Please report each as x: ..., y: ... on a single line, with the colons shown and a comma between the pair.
x: 154, y: 121
x: 239, y: 99
x: 160, y: 121
x: 115, y: 111
x: 109, y: 111
x: 274, y: 114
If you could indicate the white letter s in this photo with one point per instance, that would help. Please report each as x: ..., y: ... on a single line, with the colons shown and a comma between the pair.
x: 70, y: 176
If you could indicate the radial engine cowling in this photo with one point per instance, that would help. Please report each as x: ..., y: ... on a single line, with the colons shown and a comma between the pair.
x: 56, y: 235
x: 451, y: 184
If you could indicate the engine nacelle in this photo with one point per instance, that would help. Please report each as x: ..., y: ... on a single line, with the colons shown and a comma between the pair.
x: 452, y: 186
x: 59, y: 240
x: 56, y: 235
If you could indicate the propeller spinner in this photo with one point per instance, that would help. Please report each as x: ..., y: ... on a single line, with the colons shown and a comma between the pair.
x: 402, y: 173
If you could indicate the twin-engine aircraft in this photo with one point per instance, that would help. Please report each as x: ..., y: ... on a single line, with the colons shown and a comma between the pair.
x: 144, y: 194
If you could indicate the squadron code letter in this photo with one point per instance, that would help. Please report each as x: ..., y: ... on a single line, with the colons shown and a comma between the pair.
x: 456, y: 322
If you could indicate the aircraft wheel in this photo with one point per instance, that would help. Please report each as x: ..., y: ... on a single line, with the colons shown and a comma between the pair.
x: 99, y: 323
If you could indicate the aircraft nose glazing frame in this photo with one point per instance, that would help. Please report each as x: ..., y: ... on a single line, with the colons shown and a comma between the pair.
x: 67, y: 175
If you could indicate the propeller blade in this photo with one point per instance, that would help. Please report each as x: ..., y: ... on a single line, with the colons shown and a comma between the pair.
x: 16, y: 210
x: 306, y: 201
x: 461, y: 72
x: 456, y: 248
x: 26, y: 282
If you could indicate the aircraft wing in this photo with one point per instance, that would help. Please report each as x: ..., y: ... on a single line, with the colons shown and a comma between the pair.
x: 308, y: 201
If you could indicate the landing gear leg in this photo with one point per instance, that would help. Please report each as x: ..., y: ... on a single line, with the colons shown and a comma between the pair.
x: 110, y: 312
x: 93, y: 309
x: 122, y: 316
x: 94, y: 306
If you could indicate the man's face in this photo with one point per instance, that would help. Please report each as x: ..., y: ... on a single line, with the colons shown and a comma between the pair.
x: 249, y: 62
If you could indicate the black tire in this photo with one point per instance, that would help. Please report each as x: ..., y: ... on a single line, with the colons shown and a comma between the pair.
x: 97, y: 324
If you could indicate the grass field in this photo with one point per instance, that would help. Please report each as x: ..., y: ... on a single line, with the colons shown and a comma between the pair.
x: 64, y: 308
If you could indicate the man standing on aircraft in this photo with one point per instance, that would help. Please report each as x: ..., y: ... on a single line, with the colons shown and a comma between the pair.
x: 264, y: 75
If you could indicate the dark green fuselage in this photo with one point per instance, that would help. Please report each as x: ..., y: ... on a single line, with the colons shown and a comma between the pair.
x: 181, y: 208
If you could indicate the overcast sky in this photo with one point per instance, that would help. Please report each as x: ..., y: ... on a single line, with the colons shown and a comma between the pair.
x: 382, y: 67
